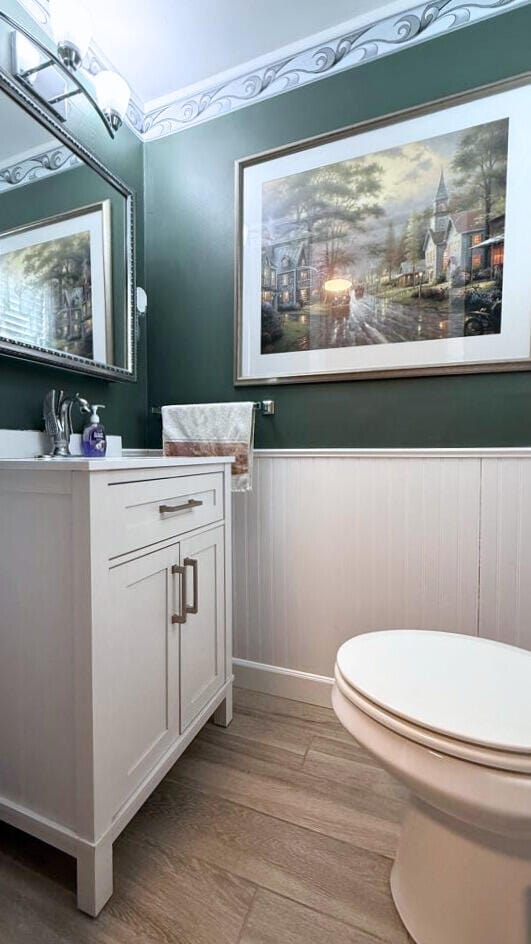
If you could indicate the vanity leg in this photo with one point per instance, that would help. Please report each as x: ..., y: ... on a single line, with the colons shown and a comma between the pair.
x: 223, y: 714
x: 94, y: 877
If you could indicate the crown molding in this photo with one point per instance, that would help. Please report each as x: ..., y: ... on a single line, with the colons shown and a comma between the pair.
x: 357, y: 42
x: 361, y: 42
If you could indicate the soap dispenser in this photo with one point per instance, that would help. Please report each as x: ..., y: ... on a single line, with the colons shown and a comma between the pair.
x: 94, y: 438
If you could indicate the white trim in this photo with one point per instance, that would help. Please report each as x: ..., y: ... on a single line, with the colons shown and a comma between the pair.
x: 280, y: 52
x: 288, y: 683
x: 442, y: 452
x: 334, y: 52
x: 346, y: 46
x: 479, y: 452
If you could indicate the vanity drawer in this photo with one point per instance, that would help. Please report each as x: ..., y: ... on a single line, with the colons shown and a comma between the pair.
x: 153, y: 510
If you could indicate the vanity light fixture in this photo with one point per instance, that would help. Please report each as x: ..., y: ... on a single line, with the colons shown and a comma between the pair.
x: 28, y: 57
x: 113, y: 94
x: 107, y: 92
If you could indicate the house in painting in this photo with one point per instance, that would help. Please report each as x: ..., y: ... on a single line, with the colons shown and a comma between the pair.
x: 459, y: 241
x: 286, y: 273
x: 410, y: 274
x: 493, y: 247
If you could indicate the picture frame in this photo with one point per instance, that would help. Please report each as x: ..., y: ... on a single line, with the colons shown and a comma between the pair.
x: 373, y: 251
x: 56, y: 283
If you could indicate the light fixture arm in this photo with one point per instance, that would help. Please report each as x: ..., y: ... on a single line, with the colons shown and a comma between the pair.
x: 52, y: 60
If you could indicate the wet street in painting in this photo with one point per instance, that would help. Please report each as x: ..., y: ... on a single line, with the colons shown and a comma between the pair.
x: 372, y: 320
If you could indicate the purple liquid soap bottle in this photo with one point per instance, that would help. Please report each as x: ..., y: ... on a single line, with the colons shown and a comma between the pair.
x: 94, y: 438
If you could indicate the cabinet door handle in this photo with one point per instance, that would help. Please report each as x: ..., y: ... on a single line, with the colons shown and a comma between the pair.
x: 180, y: 617
x: 190, y: 562
x: 187, y: 506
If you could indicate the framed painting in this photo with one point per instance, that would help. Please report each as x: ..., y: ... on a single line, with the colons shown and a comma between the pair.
x: 55, y: 283
x: 395, y: 247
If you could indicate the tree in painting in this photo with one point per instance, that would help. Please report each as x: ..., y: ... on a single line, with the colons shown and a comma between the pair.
x: 403, y: 245
x: 480, y: 164
x: 45, y: 293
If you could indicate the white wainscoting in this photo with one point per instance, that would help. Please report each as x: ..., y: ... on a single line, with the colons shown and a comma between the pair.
x: 505, y: 598
x: 332, y: 543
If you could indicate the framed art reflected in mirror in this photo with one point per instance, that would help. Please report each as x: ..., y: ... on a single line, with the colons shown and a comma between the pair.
x: 56, y: 283
x: 67, y: 243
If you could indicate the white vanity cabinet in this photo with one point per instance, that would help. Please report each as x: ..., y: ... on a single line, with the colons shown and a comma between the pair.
x: 115, y: 641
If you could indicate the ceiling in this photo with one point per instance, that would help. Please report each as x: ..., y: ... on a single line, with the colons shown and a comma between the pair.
x: 167, y: 45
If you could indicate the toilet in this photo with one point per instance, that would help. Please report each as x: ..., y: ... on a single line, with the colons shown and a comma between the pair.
x: 450, y: 717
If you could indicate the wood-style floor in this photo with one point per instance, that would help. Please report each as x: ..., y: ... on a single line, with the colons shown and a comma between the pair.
x: 278, y: 830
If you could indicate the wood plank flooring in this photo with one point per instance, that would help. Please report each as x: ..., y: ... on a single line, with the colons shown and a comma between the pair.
x: 277, y: 830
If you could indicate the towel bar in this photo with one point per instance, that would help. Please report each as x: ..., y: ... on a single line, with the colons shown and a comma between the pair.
x: 266, y: 407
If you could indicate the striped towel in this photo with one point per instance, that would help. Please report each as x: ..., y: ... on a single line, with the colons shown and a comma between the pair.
x: 212, y: 429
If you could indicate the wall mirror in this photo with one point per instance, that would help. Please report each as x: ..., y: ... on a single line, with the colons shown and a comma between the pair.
x: 66, y: 244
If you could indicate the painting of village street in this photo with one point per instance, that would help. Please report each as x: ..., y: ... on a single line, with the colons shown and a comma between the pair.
x: 406, y: 244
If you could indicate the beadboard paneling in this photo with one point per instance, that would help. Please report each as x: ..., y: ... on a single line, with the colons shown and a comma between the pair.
x: 328, y: 547
x: 505, y: 598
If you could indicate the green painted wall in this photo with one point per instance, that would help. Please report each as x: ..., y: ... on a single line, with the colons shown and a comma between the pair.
x: 189, y: 200
x: 22, y: 383
x: 189, y: 259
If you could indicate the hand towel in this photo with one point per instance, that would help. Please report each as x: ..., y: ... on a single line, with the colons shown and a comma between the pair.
x: 212, y: 429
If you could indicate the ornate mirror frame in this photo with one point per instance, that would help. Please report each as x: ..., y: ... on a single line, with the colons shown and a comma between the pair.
x: 20, y: 349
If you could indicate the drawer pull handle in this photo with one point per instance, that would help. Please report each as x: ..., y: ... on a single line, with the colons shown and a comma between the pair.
x: 190, y: 562
x: 187, y: 506
x: 180, y: 617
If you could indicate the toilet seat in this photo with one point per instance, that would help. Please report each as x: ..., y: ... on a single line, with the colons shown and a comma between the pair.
x: 411, y: 681
x: 450, y: 718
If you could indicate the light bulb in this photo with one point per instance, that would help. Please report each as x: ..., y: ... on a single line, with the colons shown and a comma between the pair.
x: 113, y: 94
x: 72, y: 30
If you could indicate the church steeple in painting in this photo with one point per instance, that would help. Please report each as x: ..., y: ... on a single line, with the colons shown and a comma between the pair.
x: 441, y: 208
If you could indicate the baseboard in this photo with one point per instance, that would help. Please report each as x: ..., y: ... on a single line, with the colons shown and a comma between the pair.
x: 288, y: 683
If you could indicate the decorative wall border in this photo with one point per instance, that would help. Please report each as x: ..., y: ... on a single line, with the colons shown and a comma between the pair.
x: 358, y: 46
x: 362, y: 42
x: 31, y: 167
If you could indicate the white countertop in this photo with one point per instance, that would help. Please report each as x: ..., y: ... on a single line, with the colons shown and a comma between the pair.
x: 81, y: 464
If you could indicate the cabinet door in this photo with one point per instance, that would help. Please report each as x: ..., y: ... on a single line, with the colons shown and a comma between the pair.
x: 203, y: 635
x: 143, y: 652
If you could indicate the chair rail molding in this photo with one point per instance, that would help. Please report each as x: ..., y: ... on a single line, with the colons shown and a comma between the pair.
x: 406, y: 452
x: 359, y: 40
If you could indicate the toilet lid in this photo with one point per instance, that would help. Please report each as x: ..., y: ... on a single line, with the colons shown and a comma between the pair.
x: 470, y: 689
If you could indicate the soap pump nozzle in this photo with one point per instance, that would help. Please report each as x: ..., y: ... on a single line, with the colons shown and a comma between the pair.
x: 94, y: 407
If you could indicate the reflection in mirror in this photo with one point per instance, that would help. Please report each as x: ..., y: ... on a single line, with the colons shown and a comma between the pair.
x: 65, y: 279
